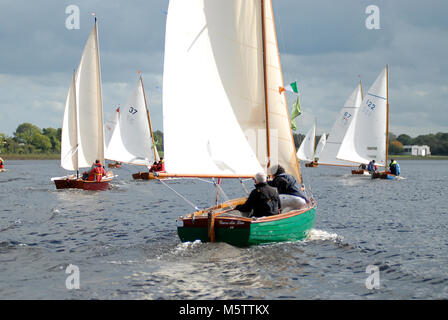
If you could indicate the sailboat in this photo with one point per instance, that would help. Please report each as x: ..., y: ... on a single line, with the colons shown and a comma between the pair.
x: 130, y: 139
x: 229, y: 111
x: 306, y: 150
x: 341, y: 126
x: 368, y: 138
x: 82, y: 128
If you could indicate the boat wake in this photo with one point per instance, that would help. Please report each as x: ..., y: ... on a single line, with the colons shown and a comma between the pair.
x: 321, y: 235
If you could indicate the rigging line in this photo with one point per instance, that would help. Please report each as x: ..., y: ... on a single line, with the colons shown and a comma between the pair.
x: 244, y: 187
x: 220, y: 189
x: 181, y: 196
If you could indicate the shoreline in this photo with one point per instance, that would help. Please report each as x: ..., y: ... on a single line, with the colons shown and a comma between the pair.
x: 30, y: 156
x: 7, y: 157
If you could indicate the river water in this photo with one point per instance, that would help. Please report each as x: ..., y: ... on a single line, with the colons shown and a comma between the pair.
x: 373, y: 239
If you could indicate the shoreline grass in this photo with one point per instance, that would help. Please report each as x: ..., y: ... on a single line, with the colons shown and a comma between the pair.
x: 30, y: 156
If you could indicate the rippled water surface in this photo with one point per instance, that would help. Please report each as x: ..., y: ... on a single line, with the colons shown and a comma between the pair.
x: 125, y: 244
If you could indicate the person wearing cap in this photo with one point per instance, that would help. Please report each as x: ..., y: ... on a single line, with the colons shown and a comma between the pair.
x: 263, y: 200
x: 291, y: 195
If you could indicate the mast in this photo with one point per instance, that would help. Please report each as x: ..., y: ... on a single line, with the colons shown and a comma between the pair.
x: 387, y: 115
x: 100, y: 120
x: 149, y: 120
x: 263, y: 35
x: 75, y: 112
x: 360, y: 85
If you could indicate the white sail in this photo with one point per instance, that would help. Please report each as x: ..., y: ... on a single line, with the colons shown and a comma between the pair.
x: 109, y: 129
x: 282, y: 149
x: 131, y: 141
x: 69, y: 136
x: 320, y: 145
x: 213, y: 87
x: 366, y: 139
x: 339, y: 130
x: 306, y: 149
x: 214, y: 99
x: 89, y: 122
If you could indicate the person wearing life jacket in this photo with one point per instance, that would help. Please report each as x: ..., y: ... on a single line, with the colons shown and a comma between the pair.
x: 1, y: 163
x: 394, y: 167
x: 161, y: 165
x: 292, y: 196
x: 153, y: 167
x: 97, y: 172
x: 371, y: 167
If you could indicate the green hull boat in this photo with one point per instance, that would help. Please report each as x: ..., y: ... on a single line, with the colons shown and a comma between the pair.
x: 221, y: 224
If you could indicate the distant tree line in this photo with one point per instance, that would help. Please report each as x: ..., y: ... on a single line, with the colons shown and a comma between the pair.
x: 437, y: 142
x: 30, y: 139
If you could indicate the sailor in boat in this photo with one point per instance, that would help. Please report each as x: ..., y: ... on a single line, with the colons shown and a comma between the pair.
x: 97, y: 173
x: 262, y: 201
x: 371, y: 167
x: 161, y: 165
x: 2, y: 163
x: 394, y: 167
x: 153, y: 167
x: 158, y: 166
x: 291, y: 195
x: 362, y: 166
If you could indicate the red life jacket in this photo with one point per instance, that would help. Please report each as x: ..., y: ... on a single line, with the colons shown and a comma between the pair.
x: 161, y: 166
x: 97, y: 173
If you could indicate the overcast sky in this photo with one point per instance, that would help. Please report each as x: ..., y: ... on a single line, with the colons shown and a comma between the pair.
x: 324, y: 44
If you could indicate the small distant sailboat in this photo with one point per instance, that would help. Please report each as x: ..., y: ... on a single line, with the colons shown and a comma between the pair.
x: 368, y: 138
x: 82, y: 128
x: 338, y: 132
x: 306, y: 150
x: 130, y: 139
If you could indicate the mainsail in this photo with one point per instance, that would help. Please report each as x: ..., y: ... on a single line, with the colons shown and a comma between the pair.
x: 131, y: 139
x: 227, y: 108
x: 82, y: 129
x: 339, y: 130
x: 366, y: 139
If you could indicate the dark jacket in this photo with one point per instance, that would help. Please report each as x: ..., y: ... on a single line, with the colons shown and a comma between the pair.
x: 287, y: 184
x: 263, y: 200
